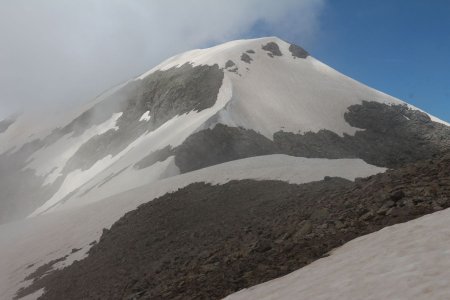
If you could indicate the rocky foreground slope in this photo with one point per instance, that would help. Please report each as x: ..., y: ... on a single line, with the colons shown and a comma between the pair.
x: 219, y: 239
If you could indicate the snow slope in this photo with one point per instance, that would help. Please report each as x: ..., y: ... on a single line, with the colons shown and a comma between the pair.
x: 405, y: 261
x: 54, y: 235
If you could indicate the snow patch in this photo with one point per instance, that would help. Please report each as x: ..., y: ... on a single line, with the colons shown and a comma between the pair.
x: 50, y: 161
x: 145, y: 117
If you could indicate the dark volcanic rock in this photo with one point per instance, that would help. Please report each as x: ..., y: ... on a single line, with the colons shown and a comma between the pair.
x: 154, y: 157
x: 392, y: 136
x: 298, y: 52
x: 174, y: 92
x: 246, y: 58
x: 218, y: 145
x: 205, y: 242
x: 229, y: 64
x: 398, y: 195
x: 273, y: 49
x: 44, y: 269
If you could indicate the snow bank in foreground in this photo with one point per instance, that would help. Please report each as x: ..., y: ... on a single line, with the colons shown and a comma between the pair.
x: 41, y: 239
x: 405, y: 261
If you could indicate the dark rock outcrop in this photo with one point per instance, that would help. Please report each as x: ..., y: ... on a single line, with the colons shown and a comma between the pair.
x: 229, y: 64
x: 392, y: 136
x: 220, y: 144
x: 273, y: 49
x: 154, y: 157
x: 298, y: 51
x: 246, y: 58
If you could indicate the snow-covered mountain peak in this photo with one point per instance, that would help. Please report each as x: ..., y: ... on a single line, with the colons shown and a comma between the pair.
x: 252, y: 97
x: 221, y: 54
x: 278, y: 86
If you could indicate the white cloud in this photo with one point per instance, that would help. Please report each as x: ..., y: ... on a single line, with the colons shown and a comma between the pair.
x: 62, y: 51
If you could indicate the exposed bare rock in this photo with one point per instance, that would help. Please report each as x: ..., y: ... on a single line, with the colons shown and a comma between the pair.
x: 246, y: 58
x: 273, y: 49
x: 298, y: 51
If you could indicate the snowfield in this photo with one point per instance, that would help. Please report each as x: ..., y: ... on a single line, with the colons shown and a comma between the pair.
x: 404, y: 261
x: 55, y: 234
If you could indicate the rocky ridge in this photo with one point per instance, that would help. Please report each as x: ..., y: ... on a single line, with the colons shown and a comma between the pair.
x: 219, y: 239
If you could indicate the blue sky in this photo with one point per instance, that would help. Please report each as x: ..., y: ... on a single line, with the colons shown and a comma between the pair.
x: 401, y: 47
